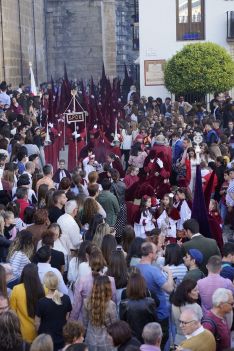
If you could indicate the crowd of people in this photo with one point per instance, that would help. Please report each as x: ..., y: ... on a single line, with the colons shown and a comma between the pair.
x: 108, y: 256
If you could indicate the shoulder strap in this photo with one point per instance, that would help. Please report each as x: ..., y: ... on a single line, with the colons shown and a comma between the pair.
x: 214, y: 326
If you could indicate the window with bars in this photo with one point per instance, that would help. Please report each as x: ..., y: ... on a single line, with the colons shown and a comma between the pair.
x: 190, y: 15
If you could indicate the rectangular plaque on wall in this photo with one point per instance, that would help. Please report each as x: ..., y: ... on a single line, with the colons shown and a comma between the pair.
x: 154, y: 74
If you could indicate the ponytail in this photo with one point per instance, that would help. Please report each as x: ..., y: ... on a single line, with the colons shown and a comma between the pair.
x: 57, y: 297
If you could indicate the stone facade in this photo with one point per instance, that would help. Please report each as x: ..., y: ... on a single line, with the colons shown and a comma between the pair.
x: 86, y: 33
x: 22, y: 39
x: 82, y: 33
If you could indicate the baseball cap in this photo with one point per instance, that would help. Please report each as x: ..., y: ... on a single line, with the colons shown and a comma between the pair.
x: 196, y: 255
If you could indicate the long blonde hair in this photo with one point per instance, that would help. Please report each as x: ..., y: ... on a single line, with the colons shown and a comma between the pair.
x: 51, y: 282
x: 99, y: 298
x: 101, y: 230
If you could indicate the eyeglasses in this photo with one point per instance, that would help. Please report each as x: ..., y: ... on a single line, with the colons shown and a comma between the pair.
x: 230, y: 303
x: 185, y: 323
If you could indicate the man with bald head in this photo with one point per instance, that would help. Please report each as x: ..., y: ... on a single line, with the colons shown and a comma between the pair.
x: 197, y: 338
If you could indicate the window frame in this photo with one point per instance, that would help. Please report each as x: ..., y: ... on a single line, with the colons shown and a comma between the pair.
x: 191, y: 29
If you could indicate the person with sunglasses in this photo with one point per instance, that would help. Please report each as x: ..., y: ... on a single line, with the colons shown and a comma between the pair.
x: 197, y: 338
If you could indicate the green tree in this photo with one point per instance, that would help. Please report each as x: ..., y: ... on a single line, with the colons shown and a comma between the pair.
x: 200, y: 68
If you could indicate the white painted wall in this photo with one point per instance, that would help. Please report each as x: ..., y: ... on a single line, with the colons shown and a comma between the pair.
x: 158, y: 33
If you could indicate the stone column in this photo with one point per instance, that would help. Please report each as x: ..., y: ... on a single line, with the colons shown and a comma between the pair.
x: 109, y: 36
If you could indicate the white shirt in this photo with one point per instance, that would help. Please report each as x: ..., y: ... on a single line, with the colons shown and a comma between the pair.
x: 196, y: 332
x: 5, y: 99
x: 70, y: 232
x: 43, y: 268
x: 76, y: 270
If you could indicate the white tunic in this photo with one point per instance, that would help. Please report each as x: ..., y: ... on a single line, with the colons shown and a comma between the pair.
x: 145, y: 224
x: 185, y: 213
x: 167, y: 225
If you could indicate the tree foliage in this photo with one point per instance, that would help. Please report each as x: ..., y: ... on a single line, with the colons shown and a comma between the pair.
x: 200, y: 68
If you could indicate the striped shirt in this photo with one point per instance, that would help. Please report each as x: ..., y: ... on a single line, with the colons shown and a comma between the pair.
x: 18, y: 261
x: 230, y: 191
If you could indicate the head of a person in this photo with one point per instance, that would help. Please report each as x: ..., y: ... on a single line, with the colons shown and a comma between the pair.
x: 208, y: 126
x: 102, y: 229
x: 118, y: 268
x: 173, y: 255
x: 55, y: 228
x: 22, y: 193
x: 73, y: 332
x: 4, y: 303
x: 40, y: 216
x: 186, y: 142
x: 222, y: 299
x: 48, y: 170
x: 214, y: 264
x: 93, y: 177
x: 29, y: 214
x: 10, y: 334
x: 42, y: 342
x: 106, y: 184
x: 71, y: 208
x: 231, y: 173
x: 44, y: 254
x: 96, y: 260
x: 109, y: 244
x: 23, y: 242
x: 42, y: 191
x: 191, y: 227
x: 62, y: 164
x: 59, y: 197
x: 100, y: 296
x: 93, y: 190
x: 120, y: 332
x: 90, y: 208
x: 65, y: 184
x: 134, y: 250
x: 128, y: 235
x: 115, y: 174
x: 30, y: 167
x: 193, y: 257
x: 9, y: 217
x: 111, y: 157
x: 228, y: 252
x: 145, y: 203
x: 149, y: 251
x: 51, y: 282
x: 152, y: 334
x: 189, y: 321
x: 186, y: 292
x: 48, y: 238
x: 136, y: 286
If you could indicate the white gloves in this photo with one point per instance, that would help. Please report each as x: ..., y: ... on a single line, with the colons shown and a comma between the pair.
x: 159, y: 162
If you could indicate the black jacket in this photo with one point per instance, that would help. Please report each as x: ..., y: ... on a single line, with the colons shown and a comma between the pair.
x: 4, y: 245
x: 137, y: 313
x: 130, y: 342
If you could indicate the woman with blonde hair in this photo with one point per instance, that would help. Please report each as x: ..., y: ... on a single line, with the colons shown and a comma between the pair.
x: 4, y: 243
x: 102, y: 230
x: 90, y: 209
x: 99, y: 313
x: 42, y: 342
x: 53, y: 311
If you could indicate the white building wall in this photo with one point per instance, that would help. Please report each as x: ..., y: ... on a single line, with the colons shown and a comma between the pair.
x: 157, y: 23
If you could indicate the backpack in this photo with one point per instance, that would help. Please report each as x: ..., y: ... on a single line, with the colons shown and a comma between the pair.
x: 214, y: 327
